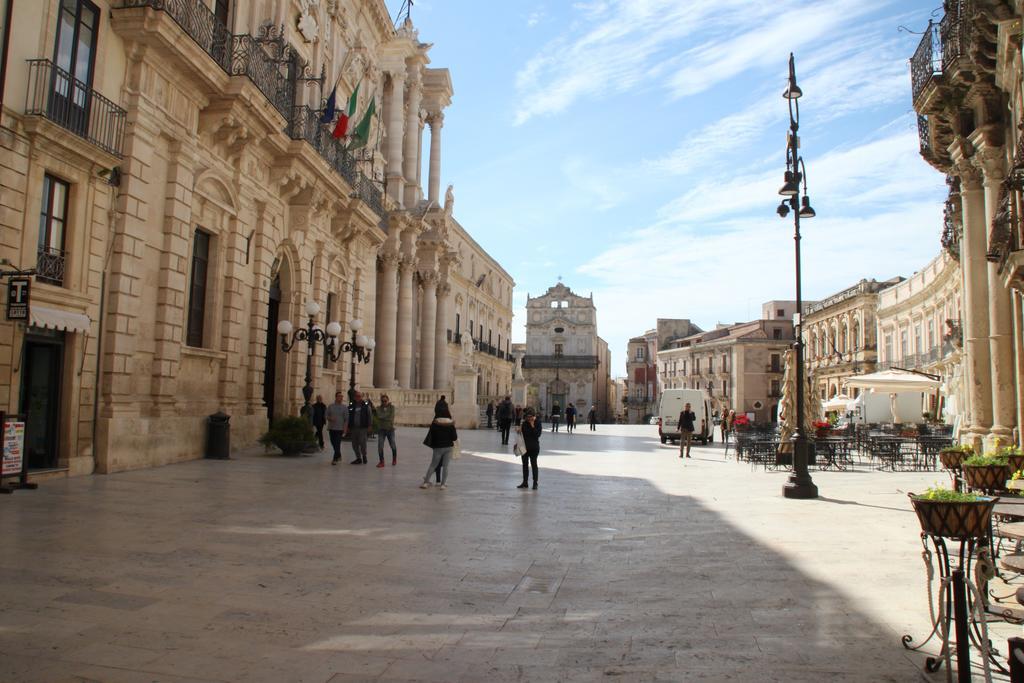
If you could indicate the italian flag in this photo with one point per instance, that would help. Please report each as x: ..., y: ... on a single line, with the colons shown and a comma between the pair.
x: 341, y: 127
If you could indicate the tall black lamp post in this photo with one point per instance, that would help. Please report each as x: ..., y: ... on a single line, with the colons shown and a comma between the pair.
x: 799, y: 484
x: 313, y: 334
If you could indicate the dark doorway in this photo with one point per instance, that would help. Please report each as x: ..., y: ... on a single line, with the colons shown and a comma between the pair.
x: 40, y: 398
x: 270, y: 368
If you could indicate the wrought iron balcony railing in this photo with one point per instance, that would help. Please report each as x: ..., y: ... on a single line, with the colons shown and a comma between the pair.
x: 50, y: 266
x: 56, y: 95
x: 927, y: 60
x: 199, y: 22
x: 305, y: 125
x: 249, y: 58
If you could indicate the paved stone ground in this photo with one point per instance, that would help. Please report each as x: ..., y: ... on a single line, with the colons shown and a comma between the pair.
x: 628, y: 564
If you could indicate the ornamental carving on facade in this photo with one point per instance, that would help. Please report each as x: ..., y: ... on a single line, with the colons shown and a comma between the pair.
x: 306, y: 21
x: 952, y: 219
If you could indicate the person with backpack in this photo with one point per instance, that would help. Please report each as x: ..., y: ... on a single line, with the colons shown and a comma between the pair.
x: 441, y: 438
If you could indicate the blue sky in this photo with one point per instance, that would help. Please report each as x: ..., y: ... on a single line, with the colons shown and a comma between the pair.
x: 635, y: 147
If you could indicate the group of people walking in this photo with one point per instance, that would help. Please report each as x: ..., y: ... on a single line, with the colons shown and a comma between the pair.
x: 571, y: 413
x: 354, y: 421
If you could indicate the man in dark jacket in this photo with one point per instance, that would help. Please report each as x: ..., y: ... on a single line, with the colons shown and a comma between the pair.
x: 490, y: 414
x: 531, y: 431
x: 360, y: 417
x: 319, y: 419
x: 686, y: 420
x: 505, y: 412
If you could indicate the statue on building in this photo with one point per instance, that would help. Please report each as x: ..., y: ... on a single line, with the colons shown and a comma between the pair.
x: 449, y: 200
x: 517, y: 371
x: 467, y: 351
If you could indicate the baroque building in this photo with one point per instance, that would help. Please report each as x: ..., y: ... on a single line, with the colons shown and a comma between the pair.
x: 841, y: 335
x: 919, y: 329
x: 738, y: 366
x: 966, y: 87
x: 565, y: 360
x: 172, y: 176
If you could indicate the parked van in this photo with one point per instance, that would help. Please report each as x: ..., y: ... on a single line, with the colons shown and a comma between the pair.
x: 671, y: 404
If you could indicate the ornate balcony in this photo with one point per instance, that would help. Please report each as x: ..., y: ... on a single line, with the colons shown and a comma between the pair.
x: 50, y: 266
x: 198, y: 22
x: 926, y: 64
x: 56, y: 95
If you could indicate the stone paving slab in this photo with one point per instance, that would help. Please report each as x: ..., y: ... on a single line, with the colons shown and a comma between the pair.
x: 628, y: 564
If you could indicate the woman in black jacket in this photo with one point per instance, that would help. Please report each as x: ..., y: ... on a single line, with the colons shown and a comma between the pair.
x: 440, y: 437
x: 530, y: 430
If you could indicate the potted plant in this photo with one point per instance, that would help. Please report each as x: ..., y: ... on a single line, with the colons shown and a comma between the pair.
x: 1014, y: 457
x: 821, y: 428
x: 290, y: 434
x: 951, y: 514
x: 986, y: 472
x: 952, y: 457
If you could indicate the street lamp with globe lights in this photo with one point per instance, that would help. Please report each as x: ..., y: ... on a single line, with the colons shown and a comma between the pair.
x: 313, y: 334
x: 799, y: 484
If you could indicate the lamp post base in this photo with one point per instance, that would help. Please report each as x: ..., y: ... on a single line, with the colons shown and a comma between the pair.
x: 801, y: 490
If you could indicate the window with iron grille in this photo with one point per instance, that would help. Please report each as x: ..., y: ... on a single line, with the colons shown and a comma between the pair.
x: 197, y: 291
x: 52, y: 226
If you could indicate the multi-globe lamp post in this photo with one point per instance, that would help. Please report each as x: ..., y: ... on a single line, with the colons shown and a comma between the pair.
x: 360, y: 347
x: 799, y: 484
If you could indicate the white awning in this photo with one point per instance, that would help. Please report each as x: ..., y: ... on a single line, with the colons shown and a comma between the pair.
x: 56, y: 319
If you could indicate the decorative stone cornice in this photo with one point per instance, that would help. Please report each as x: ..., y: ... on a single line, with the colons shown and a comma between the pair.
x: 970, y: 175
x: 991, y: 161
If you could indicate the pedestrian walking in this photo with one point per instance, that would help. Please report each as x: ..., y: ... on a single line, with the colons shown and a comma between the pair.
x: 505, y: 413
x: 686, y: 420
x: 490, y: 414
x: 337, y: 416
x: 357, y: 425
x: 592, y: 418
x: 386, y: 430
x: 556, y: 416
x: 441, y: 438
x: 319, y: 419
x: 530, y: 432
x: 570, y: 418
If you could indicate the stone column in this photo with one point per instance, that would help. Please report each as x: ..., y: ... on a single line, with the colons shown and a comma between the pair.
x: 411, y: 156
x: 428, y: 325
x: 975, y: 301
x: 442, y: 371
x: 992, y: 163
x: 387, y: 320
x: 404, y: 339
x: 436, y: 121
x: 395, y: 183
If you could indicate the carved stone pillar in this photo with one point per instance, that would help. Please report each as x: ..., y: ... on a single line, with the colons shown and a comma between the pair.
x: 395, y: 184
x: 992, y: 163
x: 387, y: 318
x: 975, y: 301
x: 436, y: 121
x: 414, y: 87
x: 442, y: 371
x: 428, y: 325
x: 172, y: 282
x: 404, y: 338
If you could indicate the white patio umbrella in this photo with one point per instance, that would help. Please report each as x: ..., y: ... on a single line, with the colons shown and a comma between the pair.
x: 839, y: 403
x: 894, y: 382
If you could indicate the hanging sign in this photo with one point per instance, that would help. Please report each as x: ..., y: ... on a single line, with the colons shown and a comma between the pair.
x: 17, y: 298
x: 14, y: 444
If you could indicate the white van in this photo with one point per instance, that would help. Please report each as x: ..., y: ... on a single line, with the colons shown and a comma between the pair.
x: 671, y: 404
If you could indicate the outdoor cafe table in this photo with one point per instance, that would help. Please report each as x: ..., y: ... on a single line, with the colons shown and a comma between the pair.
x: 836, y: 452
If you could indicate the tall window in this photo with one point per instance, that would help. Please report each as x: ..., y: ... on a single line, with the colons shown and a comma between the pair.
x: 776, y: 361
x: 931, y: 334
x: 197, y: 292
x: 52, y: 217
x: 904, y: 345
x: 776, y: 388
x: 888, y: 347
x: 458, y: 321
x: 74, y: 56
x: 639, y: 353
x: 471, y: 329
x: 711, y: 366
x: 918, y: 345
x: 696, y: 366
x: 558, y: 349
x: 777, y: 333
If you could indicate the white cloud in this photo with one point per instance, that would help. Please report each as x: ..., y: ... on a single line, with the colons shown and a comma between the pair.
x: 717, y: 252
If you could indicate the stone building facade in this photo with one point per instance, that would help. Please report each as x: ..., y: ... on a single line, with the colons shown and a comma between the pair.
x: 645, y: 385
x: 841, y: 336
x: 966, y: 87
x: 739, y: 366
x: 563, y: 360
x: 169, y: 178
x: 919, y: 329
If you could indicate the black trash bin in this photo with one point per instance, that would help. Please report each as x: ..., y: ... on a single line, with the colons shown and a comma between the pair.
x: 218, y: 436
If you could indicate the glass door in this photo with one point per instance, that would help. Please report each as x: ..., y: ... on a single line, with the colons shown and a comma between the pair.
x: 40, y: 400
x: 74, y: 58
